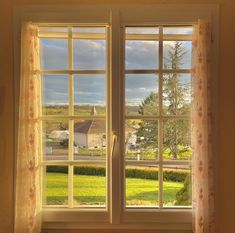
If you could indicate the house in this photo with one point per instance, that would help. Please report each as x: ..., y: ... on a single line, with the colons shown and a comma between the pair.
x: 59, y: 134
x: 90, y: 133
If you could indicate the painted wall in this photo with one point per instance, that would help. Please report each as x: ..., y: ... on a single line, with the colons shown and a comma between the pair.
x: 226, y: 103
x: 80, y: 139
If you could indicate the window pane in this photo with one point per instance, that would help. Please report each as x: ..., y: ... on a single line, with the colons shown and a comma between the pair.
x: 89, y: 95
x: 90, y: 185
x: 177, y: 54
x: 55, y: 94
x: 142, y: 30
x: 141, y: 91
x: 177, y: 187
x: 141, y: 54
x: 141, y: 186
x: 176, y: 94
x: 56, y: 140
x: 178, y: 30
x: 141, y: 139
x: 54, y: 54
x: 53, y: 29
x: 56, y: 185
x: 90, y: 140
x: 176, y: 140
x: 92, y: 30
x: 89, y: 54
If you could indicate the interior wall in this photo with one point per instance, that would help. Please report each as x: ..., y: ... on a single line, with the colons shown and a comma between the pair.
x: 226, y: 98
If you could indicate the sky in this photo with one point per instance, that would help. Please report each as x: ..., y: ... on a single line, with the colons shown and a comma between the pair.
x: 91, y: 55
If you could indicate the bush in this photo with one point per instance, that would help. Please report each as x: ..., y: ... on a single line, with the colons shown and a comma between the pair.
x: 183, y: 196
x: 90, y: 170
x: 175, y: 175
x: 141, y: 173
x: 79, y: 170
x: 65, y: 143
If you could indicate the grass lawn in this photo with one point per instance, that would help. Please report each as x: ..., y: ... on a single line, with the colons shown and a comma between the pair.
x: 90, y: 190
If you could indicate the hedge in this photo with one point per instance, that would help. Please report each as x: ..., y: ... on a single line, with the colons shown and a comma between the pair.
x: 141, y: 173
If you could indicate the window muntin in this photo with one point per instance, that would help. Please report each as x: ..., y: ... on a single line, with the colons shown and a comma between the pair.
x: 74, y: 123
x: 149, y: 154
x: 157, y: 128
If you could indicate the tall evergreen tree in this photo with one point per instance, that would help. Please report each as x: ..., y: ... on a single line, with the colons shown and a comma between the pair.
x: 174, y: 99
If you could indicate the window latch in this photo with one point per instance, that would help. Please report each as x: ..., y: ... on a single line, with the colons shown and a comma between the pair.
x: 114, y: 142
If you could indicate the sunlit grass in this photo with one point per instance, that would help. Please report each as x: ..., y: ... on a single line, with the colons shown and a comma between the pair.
x: 91, y: 190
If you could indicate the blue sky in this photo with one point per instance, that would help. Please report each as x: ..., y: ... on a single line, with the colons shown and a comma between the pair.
x: 90, y: 54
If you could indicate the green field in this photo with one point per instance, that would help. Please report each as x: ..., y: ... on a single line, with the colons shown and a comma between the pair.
x: 90, y: 190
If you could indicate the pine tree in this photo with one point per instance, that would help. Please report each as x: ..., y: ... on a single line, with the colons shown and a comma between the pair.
x: 174, y: 97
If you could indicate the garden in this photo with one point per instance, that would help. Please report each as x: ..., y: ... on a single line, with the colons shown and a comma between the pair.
x: 141, y: 186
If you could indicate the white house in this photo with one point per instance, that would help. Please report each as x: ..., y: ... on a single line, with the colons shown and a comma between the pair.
x: 90, y: 133
x: 59, y: 134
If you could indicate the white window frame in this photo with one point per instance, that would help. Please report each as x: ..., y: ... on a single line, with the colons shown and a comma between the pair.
x: 70, y: 117
x: 117, y: 16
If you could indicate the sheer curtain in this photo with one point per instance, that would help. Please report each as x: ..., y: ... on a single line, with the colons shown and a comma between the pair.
x: 202, y: 160
x: 28, y: 182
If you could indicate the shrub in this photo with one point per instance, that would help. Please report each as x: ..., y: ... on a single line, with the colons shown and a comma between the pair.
x: 175, y: 175
x: 141, y: 173
x: 183, y: 196
x: 79, y: 170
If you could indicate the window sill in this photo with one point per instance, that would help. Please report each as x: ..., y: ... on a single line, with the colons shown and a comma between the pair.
x: 167, y: 219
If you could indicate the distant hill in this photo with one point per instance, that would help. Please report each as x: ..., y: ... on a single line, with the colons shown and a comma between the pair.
x: 83, y: 110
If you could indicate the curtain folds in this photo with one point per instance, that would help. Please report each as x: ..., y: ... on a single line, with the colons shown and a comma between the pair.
x: 28, y: 180
x: 28, y: 200
x: 202, y: 159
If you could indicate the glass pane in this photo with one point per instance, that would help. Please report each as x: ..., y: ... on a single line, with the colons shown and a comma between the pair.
x: 55, y: 140
x: 177, y: 94
x: 90, y: 140
x: 89, y: 54
x: 55, y: 94
x: 89, y: 95
x: 141, y: 186
x: 141, y: 139
x: 54, y: 54
x: 56, y: 185
x: 177, y: 54
x: 53, y: 29
x: 176, y: 140
x: 178, y: 30
x: 142, y: 30
x: 89, y: 185
x: 89, y: 30
x: 141, y: 92
x: 141, y: 54
x: 177, y: 187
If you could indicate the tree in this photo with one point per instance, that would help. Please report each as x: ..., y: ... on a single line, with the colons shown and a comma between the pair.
x: 174, y: 99
x: 183, y: 196
x: 147, y: 132
x: 150, y: 105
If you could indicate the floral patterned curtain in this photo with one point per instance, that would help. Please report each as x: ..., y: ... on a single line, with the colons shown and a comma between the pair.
x: 28, y: 182
x: 202, y: 160
x: 28, y: 179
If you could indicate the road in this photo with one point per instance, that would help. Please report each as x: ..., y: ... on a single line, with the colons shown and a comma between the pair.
x: 88, y: 159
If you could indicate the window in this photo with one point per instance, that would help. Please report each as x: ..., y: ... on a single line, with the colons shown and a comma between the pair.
x: 157, y: 112
x: 73, y: 89
x: 74, y: 86
x: 157, y: 108
x: 115, y: 110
